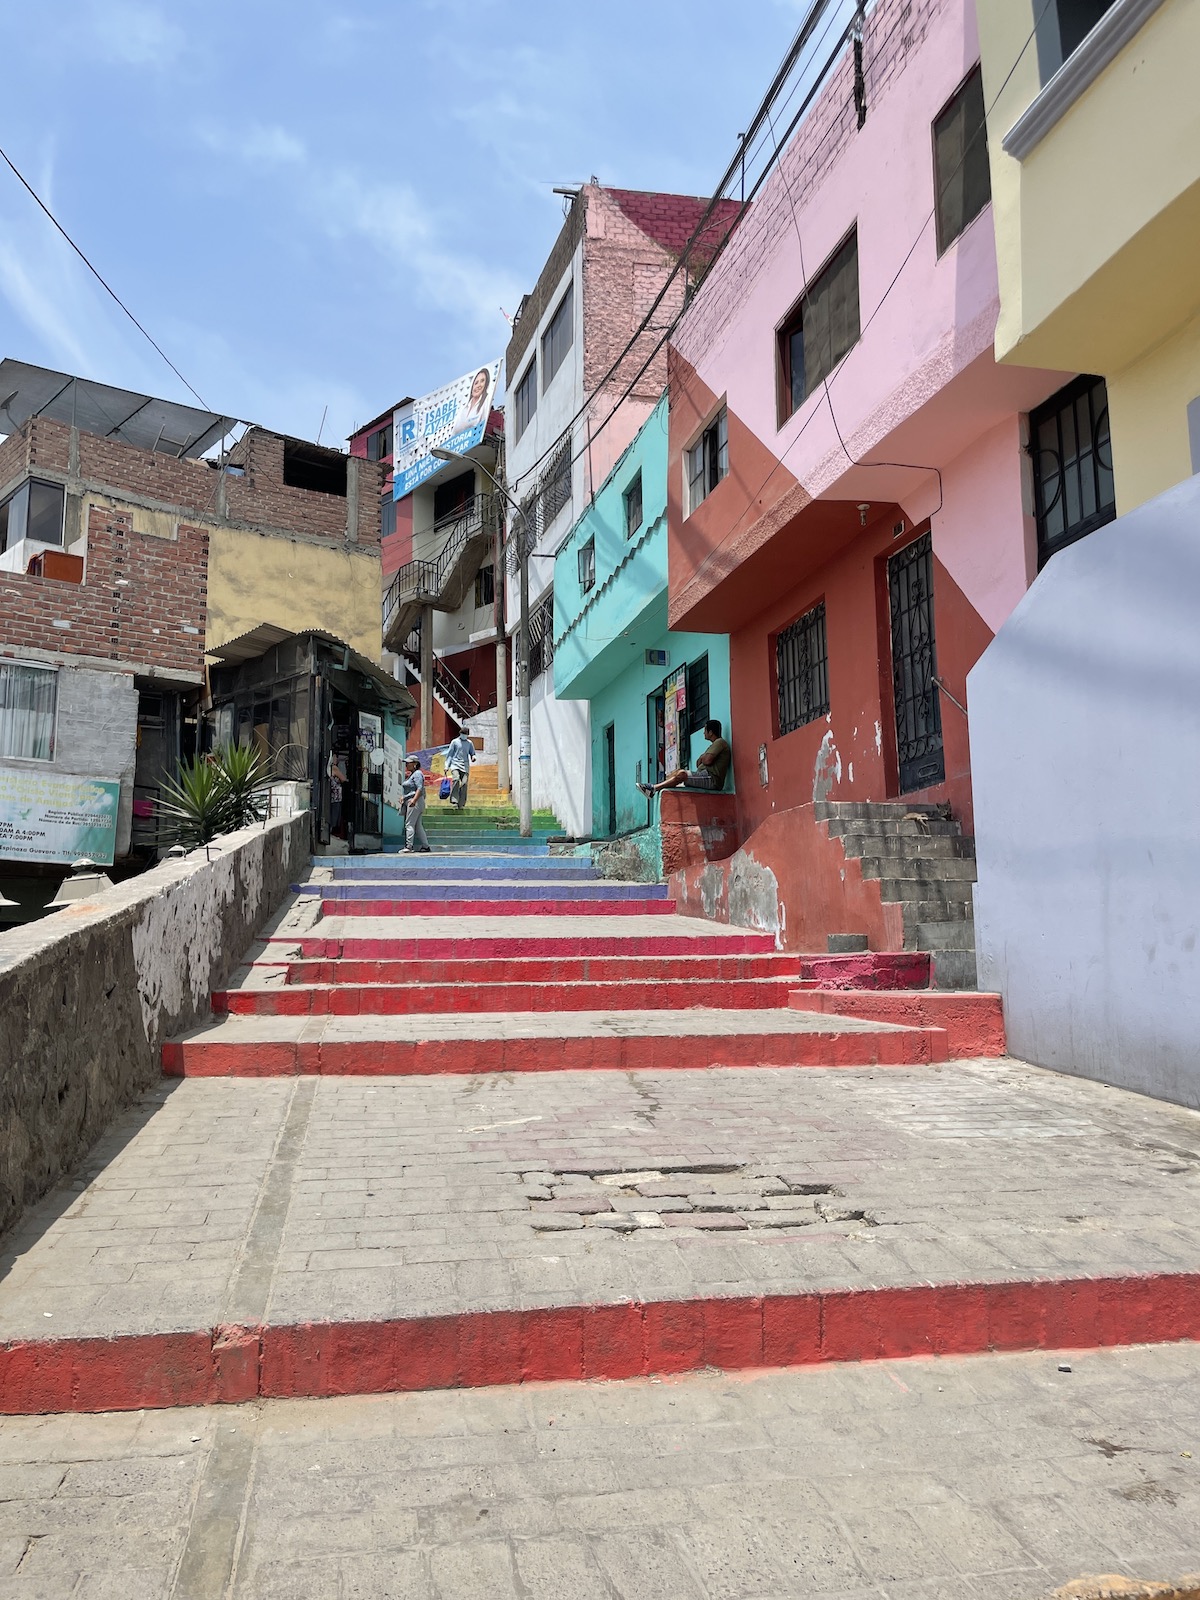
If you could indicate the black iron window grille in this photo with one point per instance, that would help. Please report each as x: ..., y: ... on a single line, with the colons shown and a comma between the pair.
x: 697, y: 695
x: 960, y: 161
x: 633, y: 507
x: 708, y: 460
x: 914, y: 667
x: 1071, y: 448
x: 541, y: 637
x: 555, y: 488
x: 802, y: 670
x: 820, y: 328
x: 485, y: 587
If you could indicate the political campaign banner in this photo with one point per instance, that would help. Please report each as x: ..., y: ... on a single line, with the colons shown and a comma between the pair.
x: 451, y: 418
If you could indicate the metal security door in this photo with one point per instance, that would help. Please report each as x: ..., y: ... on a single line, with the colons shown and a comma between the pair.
x: 914, y: 667
x: 610, y: 764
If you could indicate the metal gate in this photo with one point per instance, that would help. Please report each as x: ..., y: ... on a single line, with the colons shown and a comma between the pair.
x: 914, y: 667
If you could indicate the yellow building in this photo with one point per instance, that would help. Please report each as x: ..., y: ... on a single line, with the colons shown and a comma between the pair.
x: 1094, y: 138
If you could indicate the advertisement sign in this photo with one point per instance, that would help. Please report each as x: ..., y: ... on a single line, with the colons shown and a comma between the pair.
x: 451, y: 418
x: 48, y: 817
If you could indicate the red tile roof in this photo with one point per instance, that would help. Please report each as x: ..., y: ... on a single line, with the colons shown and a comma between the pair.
x: 671, y: 219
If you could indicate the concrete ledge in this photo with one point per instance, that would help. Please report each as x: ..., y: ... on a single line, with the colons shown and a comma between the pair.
x: 88, y: 995
x: 696, y: 828
x: 233, y: 1364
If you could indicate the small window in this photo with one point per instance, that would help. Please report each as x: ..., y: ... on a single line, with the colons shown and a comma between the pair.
x: 1071, y: 447
x: 485, y: 587
x: 541, y: 637
x: 1061, y: 27
x: 525, y: 400
x: 802, y: 670
x: 708, y: 460
x: 387, y: 517
x: 558, y: 337
x: 697, y: 695
x: 313, y: 467
x: 379, y: 444
x: 587, y: 565
x: 28, y: 701
x: 633, y: 507
x: 453, y: 497
x: 34, y: 510
x: 820, y: 328
x: 960, y: 161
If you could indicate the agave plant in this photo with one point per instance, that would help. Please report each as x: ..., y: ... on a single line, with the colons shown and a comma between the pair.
x: 195, y: 805
x: 215, y: 794
x: 247, y: 775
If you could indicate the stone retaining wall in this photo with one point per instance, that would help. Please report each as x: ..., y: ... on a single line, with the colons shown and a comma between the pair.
x: 88, y: 994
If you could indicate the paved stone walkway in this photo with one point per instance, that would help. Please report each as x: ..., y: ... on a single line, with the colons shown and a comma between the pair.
x: 227, y: 1201
x: 983, y: 1478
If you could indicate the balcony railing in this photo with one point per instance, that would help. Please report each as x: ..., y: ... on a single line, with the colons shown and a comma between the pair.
x: 425, y: 581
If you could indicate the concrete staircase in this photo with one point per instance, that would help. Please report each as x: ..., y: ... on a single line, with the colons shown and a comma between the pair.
x: 489, y: 820
x: 923, y: 864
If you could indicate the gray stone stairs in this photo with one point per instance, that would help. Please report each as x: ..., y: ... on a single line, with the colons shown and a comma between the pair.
x: 923, y: 864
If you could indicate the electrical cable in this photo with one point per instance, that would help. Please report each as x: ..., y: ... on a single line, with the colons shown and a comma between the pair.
x: 750, y: 500
x: 20, y: 177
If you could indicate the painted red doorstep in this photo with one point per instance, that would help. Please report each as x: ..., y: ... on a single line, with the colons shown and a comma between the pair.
x: 213, y: 1057
x: 973, y: 1022
x: 497, y: 908
x: 228, y: 1365
x: 382, y: 999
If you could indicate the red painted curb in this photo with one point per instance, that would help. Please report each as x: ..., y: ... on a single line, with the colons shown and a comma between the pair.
x: 229, y: 1365
x: 974, y: 1023
x: 418, y: 947
x: 212, y: 1057
x: 383, y: 999
x: 498, y: 908
x: 557, y: 969
x: 871, y: 969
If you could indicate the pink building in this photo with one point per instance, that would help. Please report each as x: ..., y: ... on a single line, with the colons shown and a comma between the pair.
x: 848, y: 498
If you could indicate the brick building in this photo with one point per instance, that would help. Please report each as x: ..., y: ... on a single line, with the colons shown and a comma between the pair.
x: 127, y: 552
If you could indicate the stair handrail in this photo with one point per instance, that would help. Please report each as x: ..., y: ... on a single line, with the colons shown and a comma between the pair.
x: 423, y: 579
x: 457, y: 698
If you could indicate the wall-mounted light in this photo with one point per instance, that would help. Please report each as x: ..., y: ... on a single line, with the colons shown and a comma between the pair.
x: 864, y: 507
x: 86, y: 880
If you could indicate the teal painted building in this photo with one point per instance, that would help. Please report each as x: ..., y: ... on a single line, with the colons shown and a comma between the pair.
x: 650, y: 690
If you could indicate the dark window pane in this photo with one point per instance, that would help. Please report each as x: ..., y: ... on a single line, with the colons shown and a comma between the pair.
x: 824, y: 326
x: 1072, y: 464
x: 633, y: 507
x: 558, y: 337
x: 525, y: 400
x: 697, y: 694
x: 961, y: 172
x: 45, y: 521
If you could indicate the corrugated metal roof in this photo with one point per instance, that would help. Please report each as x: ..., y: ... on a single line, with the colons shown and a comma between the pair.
x: 249, y: 646
x: 99, y: 408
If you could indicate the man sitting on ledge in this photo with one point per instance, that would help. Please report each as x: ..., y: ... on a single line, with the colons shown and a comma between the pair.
x: 712, y: 768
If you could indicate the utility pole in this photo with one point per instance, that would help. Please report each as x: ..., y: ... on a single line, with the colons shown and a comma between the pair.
x: 503, y: 777
x: 427, y: 677
x: 524, y: 550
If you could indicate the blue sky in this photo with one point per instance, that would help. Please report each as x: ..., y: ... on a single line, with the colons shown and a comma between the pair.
x: 325, y: 205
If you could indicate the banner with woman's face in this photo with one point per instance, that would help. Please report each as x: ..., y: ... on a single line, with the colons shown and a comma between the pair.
x: 450, y: 418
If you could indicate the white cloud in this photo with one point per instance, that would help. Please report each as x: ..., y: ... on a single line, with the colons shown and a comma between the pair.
x: 135, y: 34
x: 260, y: 144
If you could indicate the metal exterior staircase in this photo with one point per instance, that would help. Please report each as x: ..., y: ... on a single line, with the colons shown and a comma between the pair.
x: 441, y: 584
x: 455, y: 699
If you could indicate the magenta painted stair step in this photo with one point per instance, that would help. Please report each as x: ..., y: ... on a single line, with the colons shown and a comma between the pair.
x: 566, y: 907
x: 382, y: 999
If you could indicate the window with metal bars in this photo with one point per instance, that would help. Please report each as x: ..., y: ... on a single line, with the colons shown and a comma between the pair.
x: 555, y: 487
x: 802, y: 670
x: 485, y: 587
x: 1071, y: 447
x: 587, y: 566
x: 633, y: 506
x: 541, y: 637
x: 697, y: 694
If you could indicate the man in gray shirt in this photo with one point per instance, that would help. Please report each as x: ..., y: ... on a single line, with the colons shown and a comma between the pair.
x: 459, y: 756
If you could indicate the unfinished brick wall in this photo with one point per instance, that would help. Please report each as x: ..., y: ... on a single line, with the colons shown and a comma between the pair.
x: 139, y: 622
x: 623, y: 271
x: 260, y: 499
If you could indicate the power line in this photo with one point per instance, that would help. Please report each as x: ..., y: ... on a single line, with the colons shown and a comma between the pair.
x: 21, y: 179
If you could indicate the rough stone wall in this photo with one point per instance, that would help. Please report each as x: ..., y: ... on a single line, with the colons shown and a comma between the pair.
x: 88, y: 995
x: 142, y: 602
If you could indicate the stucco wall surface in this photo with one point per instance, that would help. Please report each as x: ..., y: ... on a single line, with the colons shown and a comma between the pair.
x: 1086, y: 762
x: 294, y: 583
x: 88, y: 995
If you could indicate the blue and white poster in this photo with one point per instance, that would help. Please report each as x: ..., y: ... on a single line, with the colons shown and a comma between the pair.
x: 451, y: 418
